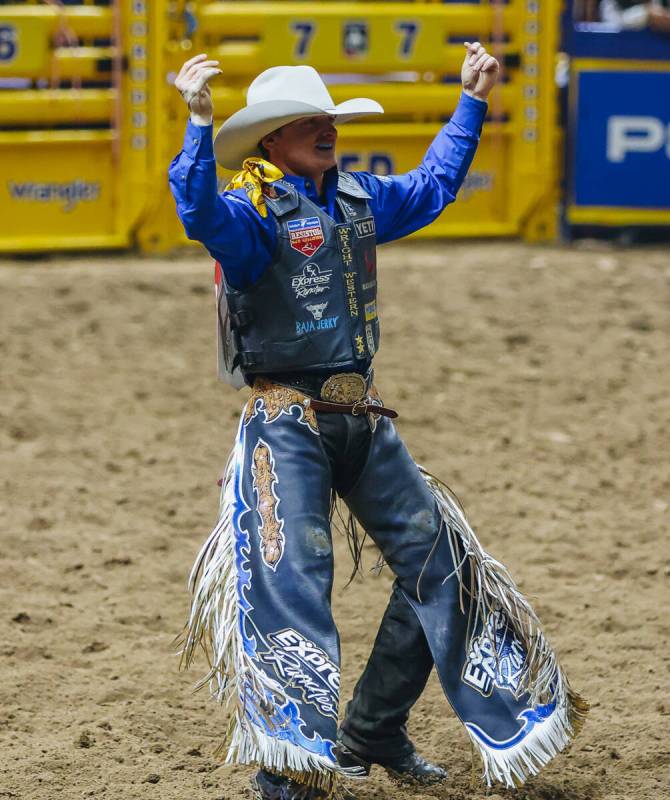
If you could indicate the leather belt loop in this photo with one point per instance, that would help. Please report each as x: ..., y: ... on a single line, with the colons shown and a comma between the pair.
x: 358, y: 408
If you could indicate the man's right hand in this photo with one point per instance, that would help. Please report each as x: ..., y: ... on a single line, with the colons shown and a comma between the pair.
x: 659, y: 19
x: 191, y: 82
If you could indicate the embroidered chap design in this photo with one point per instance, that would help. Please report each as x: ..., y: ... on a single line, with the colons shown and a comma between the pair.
x: 275, y: 400
x: 271, y: 529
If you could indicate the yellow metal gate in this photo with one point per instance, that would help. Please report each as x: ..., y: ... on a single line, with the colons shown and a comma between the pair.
x: 89, y: 121
x: 75, y: 123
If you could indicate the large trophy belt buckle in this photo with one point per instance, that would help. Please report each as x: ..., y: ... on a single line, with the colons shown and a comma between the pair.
x: 346, y: 387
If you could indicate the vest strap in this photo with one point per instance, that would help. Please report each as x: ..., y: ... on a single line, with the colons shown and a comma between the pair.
x: 247, y: 359
x: 240, y: 319
x: 347, y: 184
x: 284, y: 203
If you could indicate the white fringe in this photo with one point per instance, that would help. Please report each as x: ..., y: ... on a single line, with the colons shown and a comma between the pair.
x: 248, y: 744
x: 513, y: 765
x: 492, y: 588
x: 234, y: 679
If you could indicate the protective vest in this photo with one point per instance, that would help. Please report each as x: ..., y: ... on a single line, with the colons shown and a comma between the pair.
x: 315, y: 306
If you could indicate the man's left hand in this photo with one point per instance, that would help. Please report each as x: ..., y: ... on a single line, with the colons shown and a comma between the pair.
x: 659, y: 19
x: 479, y: 72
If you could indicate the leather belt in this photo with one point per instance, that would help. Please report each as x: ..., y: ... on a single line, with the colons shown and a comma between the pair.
x: 356, y: 409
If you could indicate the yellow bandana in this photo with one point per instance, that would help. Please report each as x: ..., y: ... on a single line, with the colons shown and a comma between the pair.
x: 254, y: 173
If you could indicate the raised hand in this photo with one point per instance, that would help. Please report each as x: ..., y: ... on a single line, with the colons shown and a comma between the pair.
x: 479, y: 72
x: 192, y: 84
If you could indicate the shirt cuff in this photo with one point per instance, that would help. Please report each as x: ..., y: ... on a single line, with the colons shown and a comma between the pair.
x: 470, y: 113
x: 198, y: 143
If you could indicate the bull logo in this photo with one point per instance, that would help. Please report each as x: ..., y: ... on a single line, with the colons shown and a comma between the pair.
x: 317, y: 309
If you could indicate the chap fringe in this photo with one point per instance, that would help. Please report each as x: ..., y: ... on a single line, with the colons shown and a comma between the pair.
x: 513, y: 765
x: 492, y: 589
x: 213, y: 627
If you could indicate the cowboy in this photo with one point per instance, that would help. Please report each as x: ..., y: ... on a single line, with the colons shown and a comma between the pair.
x: 295, y: 241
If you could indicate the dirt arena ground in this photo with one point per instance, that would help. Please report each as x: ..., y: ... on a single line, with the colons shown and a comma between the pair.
x: 533, y: 379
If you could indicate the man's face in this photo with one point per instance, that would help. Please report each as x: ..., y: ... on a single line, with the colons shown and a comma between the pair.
x: 305, y: 147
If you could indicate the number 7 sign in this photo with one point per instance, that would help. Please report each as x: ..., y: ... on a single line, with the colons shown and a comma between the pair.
x: 408, y: 31
x: 305, y: 34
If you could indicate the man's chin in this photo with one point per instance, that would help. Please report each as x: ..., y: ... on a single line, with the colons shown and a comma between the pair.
x: 330, y: 165
x: 326, y: 160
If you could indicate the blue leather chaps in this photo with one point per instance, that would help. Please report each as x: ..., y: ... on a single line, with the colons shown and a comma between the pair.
x: 261, y: 605
x: 375, y: 721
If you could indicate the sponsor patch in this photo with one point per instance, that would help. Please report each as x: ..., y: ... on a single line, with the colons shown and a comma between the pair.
x: 371, y: 311
x: 495, y: 658
x: 370, y: 339
x: 303, y: 665
x: 344, y: 235
x: 350, y: 288
x: 365, y: 227
x: 344, y: 232
x: 317, y: 309
x: 312, y: 281
x: 370, y: 258
x: 306, y: 235
x: 323, y: 324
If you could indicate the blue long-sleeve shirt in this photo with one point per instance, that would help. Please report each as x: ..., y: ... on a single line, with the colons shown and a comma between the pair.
x: 244, y: 243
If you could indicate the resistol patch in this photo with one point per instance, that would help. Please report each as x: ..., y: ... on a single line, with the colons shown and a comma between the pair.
x: 305, y: 235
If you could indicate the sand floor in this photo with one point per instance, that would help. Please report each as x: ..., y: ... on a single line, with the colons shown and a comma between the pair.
x: 533, y: 379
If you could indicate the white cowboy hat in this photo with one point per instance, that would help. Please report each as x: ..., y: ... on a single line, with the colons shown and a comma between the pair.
x: 276, y: 97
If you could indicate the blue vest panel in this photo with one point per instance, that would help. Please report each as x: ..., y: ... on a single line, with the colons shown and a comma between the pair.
x: 315, y: 307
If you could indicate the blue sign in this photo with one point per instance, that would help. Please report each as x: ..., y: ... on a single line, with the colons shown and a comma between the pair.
x: 621, y: 151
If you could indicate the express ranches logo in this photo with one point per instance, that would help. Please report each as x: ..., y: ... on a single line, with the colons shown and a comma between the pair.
x: 312, y: 280
x: 496, y: 658
x: 305, y: 666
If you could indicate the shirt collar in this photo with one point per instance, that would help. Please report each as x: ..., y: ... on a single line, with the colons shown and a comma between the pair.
x: 307, y: 187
